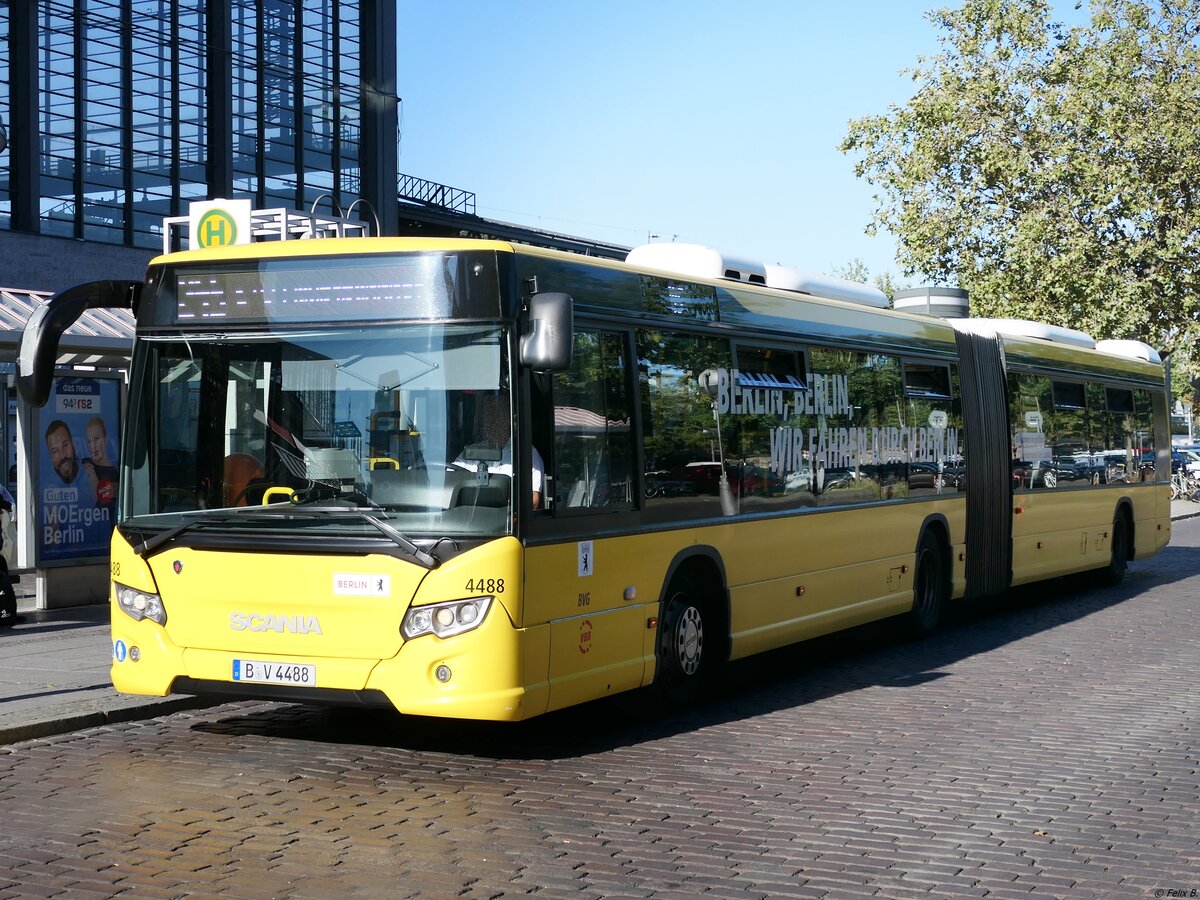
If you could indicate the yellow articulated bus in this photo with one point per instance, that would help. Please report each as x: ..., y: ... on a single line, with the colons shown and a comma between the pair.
x: 476, y: 479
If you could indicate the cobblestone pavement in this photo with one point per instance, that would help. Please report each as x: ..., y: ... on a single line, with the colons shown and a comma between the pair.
x: 1044, y: 747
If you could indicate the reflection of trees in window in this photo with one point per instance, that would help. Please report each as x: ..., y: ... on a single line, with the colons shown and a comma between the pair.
x: 751, y: 442
x: 837, y: 479
x: 679, y: 427
x: 877, y: 395
x: 1106, y: 426
x: 1030, y: 413
x: 678, y: 298
x: 1031, y: 410
x: 1112, y: 425
x: 917, y: 444
x: 1069, y: 425
x: 1143, y: 417
x: 879, y: 384
x: 1077, y: 433
x: 759, y: 480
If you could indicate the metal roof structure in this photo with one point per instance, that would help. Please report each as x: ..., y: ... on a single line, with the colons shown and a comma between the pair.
x: 101, y: 338
x: 448, y: 222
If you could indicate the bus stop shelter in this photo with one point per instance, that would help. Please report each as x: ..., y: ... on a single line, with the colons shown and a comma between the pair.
x: 93, y: 360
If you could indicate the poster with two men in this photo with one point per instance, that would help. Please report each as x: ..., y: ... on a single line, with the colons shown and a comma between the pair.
x: 76, y: 485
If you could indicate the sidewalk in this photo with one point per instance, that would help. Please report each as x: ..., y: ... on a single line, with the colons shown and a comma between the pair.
x: 54, y: 669
x: 54, y: 674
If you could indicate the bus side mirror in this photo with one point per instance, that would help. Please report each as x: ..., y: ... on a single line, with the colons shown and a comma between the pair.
x: 547, y: 345
x: 39, y: 341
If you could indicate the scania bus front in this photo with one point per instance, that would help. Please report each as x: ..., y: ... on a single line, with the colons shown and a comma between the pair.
x: 320, y: 484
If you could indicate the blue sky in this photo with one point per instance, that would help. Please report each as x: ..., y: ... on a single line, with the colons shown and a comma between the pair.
x: 711, y: 121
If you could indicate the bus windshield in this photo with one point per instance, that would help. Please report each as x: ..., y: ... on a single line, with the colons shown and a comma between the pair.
x: 411, y: 422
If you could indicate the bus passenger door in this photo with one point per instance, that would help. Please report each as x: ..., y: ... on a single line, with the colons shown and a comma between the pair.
x: 582, y: 419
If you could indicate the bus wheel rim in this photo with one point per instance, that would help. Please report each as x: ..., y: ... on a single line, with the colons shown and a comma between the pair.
x: 689, y: 641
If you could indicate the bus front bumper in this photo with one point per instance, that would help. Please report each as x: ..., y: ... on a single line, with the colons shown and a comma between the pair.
x: 484, y: 674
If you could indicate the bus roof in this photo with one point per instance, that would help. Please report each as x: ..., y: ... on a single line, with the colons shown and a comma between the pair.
x: 347, y: 246
x: 741, y: 303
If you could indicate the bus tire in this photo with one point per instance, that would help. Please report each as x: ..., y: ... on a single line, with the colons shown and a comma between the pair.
x: 931, y: 586
x: 1118, y: 561
x: 687, y: 644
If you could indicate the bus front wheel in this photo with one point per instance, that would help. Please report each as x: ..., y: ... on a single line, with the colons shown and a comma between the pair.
x: 684, y: 648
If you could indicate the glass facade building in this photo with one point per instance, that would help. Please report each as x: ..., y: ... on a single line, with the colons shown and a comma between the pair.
x: 119, y: 112
x: 5, y: 116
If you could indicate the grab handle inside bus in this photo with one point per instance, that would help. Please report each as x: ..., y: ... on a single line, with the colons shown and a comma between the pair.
x: 39, y: 341
x: 546, y: 345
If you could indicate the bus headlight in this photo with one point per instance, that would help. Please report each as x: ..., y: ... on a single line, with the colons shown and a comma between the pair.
x: 139, y: 605
x: 445, y: 619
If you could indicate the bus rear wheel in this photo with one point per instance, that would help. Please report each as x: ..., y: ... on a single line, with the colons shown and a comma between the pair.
x: 1118, y: 561
x: 931, y: 586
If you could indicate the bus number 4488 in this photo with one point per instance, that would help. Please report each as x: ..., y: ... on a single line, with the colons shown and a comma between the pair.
x: 485, y: 585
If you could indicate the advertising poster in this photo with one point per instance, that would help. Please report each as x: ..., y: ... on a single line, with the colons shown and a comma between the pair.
x: 76, y: 494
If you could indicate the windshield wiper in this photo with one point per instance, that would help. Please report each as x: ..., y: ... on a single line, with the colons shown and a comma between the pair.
x: 429, y: 561
x: 426, y: 559
x: 150, y: 544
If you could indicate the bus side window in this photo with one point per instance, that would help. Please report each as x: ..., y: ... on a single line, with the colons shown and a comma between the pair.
x: 682, y: 446
x: 1142, y: 434
x: 593, y: 438
x: 541, y: 436
x: 1033, y: 418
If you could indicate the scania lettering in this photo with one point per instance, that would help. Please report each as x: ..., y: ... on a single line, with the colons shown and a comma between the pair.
x: 478, y: 479
x: 293, y: 624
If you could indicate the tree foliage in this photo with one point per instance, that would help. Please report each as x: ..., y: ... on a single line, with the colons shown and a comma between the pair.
x: 856, y: 270
x: 1052, y: 172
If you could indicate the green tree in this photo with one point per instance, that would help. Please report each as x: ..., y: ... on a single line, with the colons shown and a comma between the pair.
x: 1052, y: 172
x: 856, y: 270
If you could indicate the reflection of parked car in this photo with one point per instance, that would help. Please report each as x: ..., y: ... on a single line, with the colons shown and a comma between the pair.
x: 800, y: 480
x: 1119, y: 467
x: 838, y: 479
x: 660, y: 484
x: 745, y: 479
x: 926, y: 477
x: 1083, y: 468
x: 752, y: 479
x: 705, y: 477
x: 1178, y: 461
x: 929, y: 476
x: 1046, y: 473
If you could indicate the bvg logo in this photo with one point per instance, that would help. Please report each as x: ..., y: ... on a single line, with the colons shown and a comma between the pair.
x: 216, y: 228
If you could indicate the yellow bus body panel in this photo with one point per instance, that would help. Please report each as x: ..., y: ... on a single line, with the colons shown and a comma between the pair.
x: 496, y: 671
x: 789, y: 579
x: 1062, y: 532
x: 600, y: 642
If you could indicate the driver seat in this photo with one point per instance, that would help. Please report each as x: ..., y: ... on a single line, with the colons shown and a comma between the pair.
x: 240, y: 469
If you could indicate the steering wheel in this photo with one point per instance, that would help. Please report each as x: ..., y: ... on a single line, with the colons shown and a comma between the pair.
x: 445, y: 466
